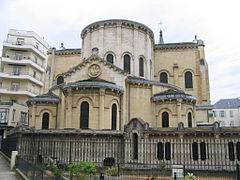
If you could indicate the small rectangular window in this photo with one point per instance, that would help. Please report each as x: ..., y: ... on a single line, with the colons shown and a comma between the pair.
x: 18, y: 56
x: 20, y: 41
x: 23, y: 119
x: 16, y: 71
x: 34, y: 74
x: 15, y: 86
x: 222, y: 114
x: 14, y: 112
x: 231, y: 113
x: 0, y: 84
x: 3, y: 116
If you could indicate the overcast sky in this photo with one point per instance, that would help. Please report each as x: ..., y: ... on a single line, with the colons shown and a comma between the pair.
x: 214, y: 21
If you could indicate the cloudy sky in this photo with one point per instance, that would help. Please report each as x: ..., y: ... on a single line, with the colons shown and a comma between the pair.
x: 214, y: 21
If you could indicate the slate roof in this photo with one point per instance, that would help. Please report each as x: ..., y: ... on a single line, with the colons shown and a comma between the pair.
x: 94, y: 82
x: 49, y: 97
x: 227, y: 103
x: 136, y: 79
x: 172, y: 94
x: 204, y: 106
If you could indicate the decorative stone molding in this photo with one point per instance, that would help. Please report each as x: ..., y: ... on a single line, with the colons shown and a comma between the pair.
x: 94, y: 70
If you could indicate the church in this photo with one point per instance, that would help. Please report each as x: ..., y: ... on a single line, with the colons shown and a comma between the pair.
x: 122, y: 99
x: 120, y: 74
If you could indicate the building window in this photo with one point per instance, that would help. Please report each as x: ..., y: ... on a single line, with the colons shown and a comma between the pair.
x: 35, y: 59
x: 16, y: 71
x: 84, y: 116
x: 34, y: 74
x: 188, y: 80
x: 203, y: 150
x: 110, y: 58
x: 60, y: 80
x: 45, y: 121
x: 214, y: 114
x: 23, y: 119
x: 231, y: 151
x: 195, y: 151
x: 20, y: 41
x: 114, y: 117
x: 164, y: 77
x: 165, y: 119
x: 190, y: 119
x: 135, y: 146
x: 18, y: 56
x: 14, y: 114
x: 221, y: 113
x: 167, y: 151
x: 231, y: 113
x: 1, y: 84
x: 15, y: 86
x: 37, y: 45
x: 3, y: 116
x: 141, y: 67
x: 238, y: 150
x: 160, y: 151
x: 127, y: 63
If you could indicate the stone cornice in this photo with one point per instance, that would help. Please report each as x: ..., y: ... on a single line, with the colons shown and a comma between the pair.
x: 118, y: 23
x: 177, y: 46
x: 65, y: 52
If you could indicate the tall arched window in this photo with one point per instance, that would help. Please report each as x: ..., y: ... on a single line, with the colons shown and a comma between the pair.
x: 84, y: 116
x: 114, y: 117
x: 164, y: 77
x: 135, y: 146
x: 127, y: 63
x: 60, y: 80
x: 190, y: 119
x: 203, y: 151
x: 165, y: 119
x: 45, y: 120
x: 160, y: 151
x: 141, y: 67
x: 195, y: 151
x: 238, y: 150
x: 110, y: 58
x: 167, y: 151
x: 231, y: 151
x: 188, y: 80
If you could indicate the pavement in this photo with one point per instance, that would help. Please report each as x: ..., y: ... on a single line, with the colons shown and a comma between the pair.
x: 5, y: 172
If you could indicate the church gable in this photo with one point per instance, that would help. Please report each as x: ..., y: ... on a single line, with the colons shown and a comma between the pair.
x: 95, y: 67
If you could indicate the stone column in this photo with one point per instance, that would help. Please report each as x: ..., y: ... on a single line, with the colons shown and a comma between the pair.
x: 179, y: 110
x: 33, y: 115
x: 119, y: 47
x: 101, y: 108
x: 175, y: 74
x: 69, y: 111
x: 101, y: 41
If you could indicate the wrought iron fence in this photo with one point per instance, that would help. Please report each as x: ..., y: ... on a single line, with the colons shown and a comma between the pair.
x: 9, y: 144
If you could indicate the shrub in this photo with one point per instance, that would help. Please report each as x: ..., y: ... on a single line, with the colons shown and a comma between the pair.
x: 82, y: 167
x: 112, y: 171
x: 189, y: 176
x: 52, y: 166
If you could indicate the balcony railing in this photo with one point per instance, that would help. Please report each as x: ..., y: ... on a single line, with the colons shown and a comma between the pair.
x: 19, y: 90
x: 24, y: 60
x: 24, y: 45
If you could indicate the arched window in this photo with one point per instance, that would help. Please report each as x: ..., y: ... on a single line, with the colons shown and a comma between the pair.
x: 141, y: 67
x: 135, y: 146
x: 84, y: 116
x: 190, y: 119
x: 203, y: 150
x: 231, y: 151
x: 60, y: 80
x: 165, y: 119
x: 45, y: 120
x: 110, y: 58
x: 114, y: 117
x: 160, y: 151
x: 195, y: 151
x: 164, y: 77
x: 127, y: 63
x: 167, y: 151
x: 188, y: 80
x: 238, y: 150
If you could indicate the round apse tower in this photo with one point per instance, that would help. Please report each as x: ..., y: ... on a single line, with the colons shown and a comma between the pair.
x: 126, y: 44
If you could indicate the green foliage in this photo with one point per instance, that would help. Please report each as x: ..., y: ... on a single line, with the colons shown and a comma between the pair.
x: 82, y: 168
x: 189, y: 176
x: 112, y: 171
x: 162, y: 166
x: 52, y: 166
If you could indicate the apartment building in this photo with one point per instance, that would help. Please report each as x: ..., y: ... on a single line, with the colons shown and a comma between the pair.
x: 227, y: 112
x: 22, y: 72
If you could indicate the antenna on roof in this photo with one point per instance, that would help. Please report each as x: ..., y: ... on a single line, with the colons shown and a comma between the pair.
x: 160, y: 35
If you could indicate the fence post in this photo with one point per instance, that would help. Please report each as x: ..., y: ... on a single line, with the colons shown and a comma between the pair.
x: 118, y: 173
x: 101, y: 177
x: 13, y: 159
x: 238, y: 173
